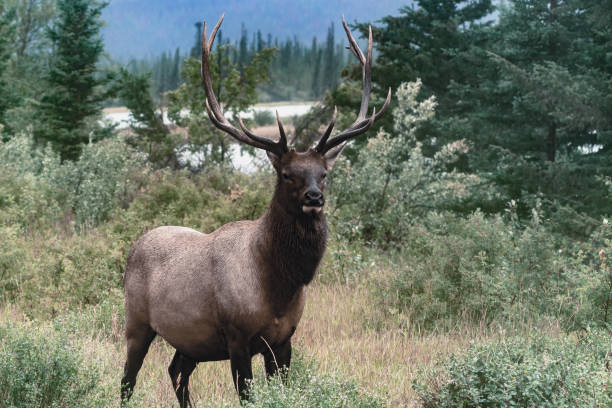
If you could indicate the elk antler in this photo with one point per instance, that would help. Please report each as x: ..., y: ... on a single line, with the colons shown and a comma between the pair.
x: 216, y: 115
x: 362, y: 122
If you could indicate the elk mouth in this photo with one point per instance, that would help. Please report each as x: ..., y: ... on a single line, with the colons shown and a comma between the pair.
x: 312, y: 207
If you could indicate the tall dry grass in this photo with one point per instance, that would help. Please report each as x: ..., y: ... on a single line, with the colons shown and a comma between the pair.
x: 340, y: 329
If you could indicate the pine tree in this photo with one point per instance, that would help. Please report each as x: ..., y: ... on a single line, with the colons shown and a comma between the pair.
x: 243, y: 55
x: 7, y: 30
x: 196, y: 50
x: 330, y: 74
x: 175, y: 75
x: 260, y: 41
x: 163, y: 75
x: 316, y: 80
x: 73, y: 94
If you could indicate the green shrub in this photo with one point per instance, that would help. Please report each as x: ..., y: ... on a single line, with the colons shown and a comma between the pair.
x: 304, y: 387
x: 377, y: 197
x: 104, y: 320
x: 204, y: 202
x: 100, y: 178
x: 27, y: 199
x: 523, y: 372
x: 263, y: 117
x: 42, y: 368
x: 37, y: 190
x: 484, y: 269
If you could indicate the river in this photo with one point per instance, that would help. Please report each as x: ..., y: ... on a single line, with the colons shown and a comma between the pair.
x: 241, y: 161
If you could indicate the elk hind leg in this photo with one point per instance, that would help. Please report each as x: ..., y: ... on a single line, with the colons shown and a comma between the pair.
x: 180, y: 369
x: 138, y: 342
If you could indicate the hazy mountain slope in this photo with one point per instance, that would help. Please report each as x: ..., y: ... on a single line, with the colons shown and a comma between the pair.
x: 142, y: 27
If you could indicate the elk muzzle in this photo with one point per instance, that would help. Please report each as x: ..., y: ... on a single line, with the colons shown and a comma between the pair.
x: 313, y: 201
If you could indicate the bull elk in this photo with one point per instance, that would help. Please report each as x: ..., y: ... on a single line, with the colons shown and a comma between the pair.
x: 240, y: 290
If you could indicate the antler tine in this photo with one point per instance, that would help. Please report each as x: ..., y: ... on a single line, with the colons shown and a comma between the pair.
x: 351, y: 132
x: 214, y: 109
x: 352, y: 43
x: 214, y: 32
x: 250, y: 134
x: 362, y: 123
x: 366, y: 63
x: 283, y: 137
x: 323, y: 141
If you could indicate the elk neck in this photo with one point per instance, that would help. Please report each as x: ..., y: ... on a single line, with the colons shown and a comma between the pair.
x: 290, y: 248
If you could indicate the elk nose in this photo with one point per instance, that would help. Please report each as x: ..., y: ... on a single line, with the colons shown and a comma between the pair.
x: 313, y: 195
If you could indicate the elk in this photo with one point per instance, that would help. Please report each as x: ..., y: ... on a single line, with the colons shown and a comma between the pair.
x: 240, y: 290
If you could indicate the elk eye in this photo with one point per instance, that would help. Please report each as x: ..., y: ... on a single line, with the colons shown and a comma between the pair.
x: 286, y: 177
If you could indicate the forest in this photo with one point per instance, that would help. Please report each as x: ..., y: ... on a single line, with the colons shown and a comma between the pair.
x: 298, y: 72
x: 470, y: 230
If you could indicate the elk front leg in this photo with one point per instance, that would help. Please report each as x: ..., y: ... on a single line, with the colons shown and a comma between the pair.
x: 240, y: 361
x: 277, y: 358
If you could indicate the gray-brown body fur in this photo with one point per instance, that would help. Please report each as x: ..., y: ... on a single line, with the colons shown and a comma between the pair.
x: 201, y: 292
x: 230, y: 294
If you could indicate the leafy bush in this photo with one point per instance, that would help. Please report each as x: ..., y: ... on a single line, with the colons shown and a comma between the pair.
x: 205, y: 201
x: 100, y: 178
x: 523, y: 372
x: 304, y: 387
x: 263, y: 117
x: 42, y: 368
x: 47, y: 273
x: 485, y: 269
x: 37, y: 189
x: 376, y: 197
x: 28, y: 200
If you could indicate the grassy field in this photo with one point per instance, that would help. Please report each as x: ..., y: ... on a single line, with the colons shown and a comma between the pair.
x: 470, y: 300
x: 341, y: 330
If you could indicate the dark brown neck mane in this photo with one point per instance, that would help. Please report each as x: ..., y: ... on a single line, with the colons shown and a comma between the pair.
x: 291, y: 247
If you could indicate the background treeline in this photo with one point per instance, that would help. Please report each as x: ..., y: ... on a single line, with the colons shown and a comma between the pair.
x: 299, y: 72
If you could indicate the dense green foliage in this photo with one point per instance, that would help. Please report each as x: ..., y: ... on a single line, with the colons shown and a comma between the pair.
x: 483, y: 269
x: 44, y: 368
x: 529, y: 371
x: 298, y: 72
x: 491, y: 271
x: 73, y: 93
x: 391, y: 180
x: 528, y: 91
x: 305, y: 387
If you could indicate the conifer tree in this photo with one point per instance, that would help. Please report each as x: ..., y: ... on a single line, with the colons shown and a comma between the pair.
x: 243, y: 56
x: 7, y: 29
x: 196, y: 50
x: 316, y: 80
x: 330, y: 74
x: 74, y: 94
x: 175, y: 75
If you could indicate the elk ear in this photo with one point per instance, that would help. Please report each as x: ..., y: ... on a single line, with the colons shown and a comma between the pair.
x: 332, y: 156
x: 274, y: 158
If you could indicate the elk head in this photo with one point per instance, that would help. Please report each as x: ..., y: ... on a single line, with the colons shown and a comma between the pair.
x: 300, y: 175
